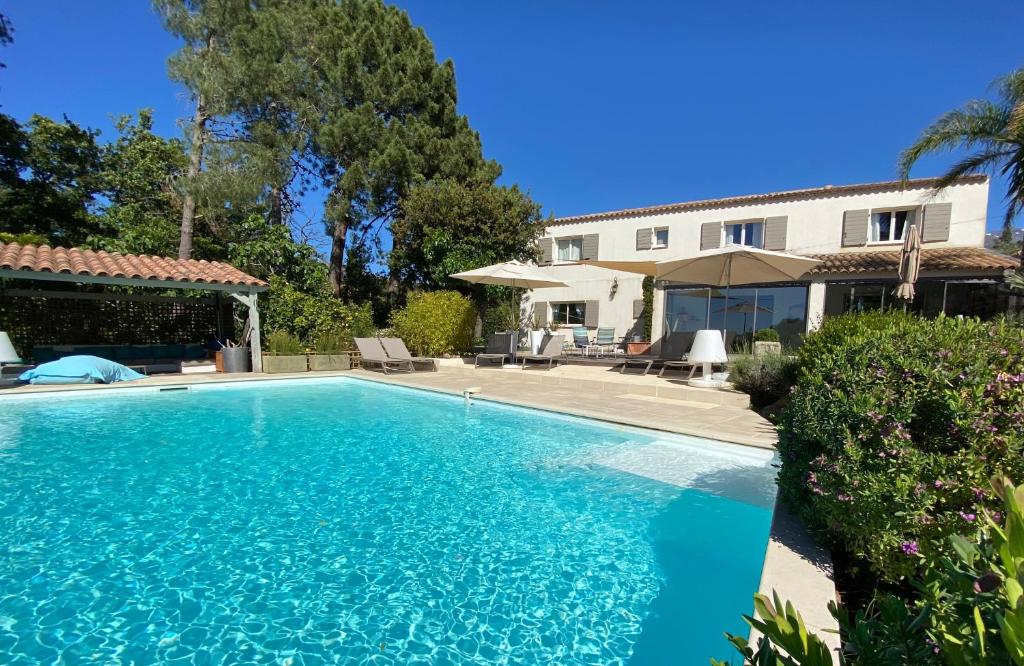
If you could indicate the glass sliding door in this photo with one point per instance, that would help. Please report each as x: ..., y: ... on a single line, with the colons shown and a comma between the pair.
x: 739, y: 311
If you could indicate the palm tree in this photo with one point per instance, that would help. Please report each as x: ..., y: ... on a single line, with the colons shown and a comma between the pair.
x: 994, y: 131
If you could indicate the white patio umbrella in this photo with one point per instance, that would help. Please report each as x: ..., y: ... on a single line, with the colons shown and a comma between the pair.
x: 910, y: 264
x: 510, y: 274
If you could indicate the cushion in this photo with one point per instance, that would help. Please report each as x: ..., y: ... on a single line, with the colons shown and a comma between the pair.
x: 79, y: 370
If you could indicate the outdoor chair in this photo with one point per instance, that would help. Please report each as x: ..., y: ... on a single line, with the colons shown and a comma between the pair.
x: 499, y: 348
x: 550, y: 350
x: 395, y: 349
x: 580, y: 340
x: 604, y: 341
x: 373, y: 354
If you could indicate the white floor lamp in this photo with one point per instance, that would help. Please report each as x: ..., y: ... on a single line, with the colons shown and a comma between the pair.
x: 7, y: 353
x: 707, y: 348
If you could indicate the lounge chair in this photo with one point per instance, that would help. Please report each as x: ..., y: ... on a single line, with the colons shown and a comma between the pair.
x: 550, y: 349
x: 604, y: 341
x: 395, y: 349
x: 373, y: 354
x: 580, y: 340
x: 499, y: 348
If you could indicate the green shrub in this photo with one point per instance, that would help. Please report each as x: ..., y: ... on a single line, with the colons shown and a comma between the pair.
x: 766, y: 379
x: 27, y: 238
x: 970, y: 610
x: 284, y: 343
x: 648, y: 313
x: 312, y: 316
x: 895, y: 425
x: 434, y: 323
x: 766, y: 335
x: 331, y: 342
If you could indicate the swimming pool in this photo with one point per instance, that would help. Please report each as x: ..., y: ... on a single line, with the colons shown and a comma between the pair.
x: 346, y: 521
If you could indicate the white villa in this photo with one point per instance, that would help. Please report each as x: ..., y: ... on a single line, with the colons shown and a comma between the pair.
x: 856, y: 230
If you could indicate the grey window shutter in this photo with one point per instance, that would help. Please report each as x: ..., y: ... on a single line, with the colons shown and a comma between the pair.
x: 855, y: 227
x: 590, y: 316
x: 589, y: 246
x: 775, y: 232
x: 710, y: 235
x: 547, y: 248
x: 638, y: 308
x: 936, y: 222
x: 644, y: 239
x: 540, y: 313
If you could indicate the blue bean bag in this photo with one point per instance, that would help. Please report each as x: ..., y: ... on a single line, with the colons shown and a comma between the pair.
x: 79, y: 370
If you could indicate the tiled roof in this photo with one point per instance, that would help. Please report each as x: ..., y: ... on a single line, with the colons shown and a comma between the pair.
x: 770, y: 197
x: 932, y: 259
x: 101, y: 264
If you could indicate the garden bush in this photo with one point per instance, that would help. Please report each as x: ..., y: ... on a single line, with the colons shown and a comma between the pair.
x: 434, y: 323
x: 284, y: 343
x: 970, y: 610
x: 766, y: 379
x: 310, y: 317
x: 766, y: 335
x: 893, y: 429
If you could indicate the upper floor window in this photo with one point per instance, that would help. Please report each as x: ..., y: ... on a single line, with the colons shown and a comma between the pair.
x: 749, y: 233
x: 888, y: 226
x: 660, y: 238
x: 570, y: 249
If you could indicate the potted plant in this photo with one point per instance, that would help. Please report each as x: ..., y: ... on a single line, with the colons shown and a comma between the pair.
x: 331, y: 352
x: 766, y: 341
x: 286, y: 353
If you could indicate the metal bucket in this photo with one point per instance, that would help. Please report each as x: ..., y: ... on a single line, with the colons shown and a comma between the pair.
x: 236, y: 359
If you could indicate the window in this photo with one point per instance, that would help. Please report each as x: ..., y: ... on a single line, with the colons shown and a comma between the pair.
x: 570, y: 314
x: 887, y: 226
x: 570, y: 249
x: 748, y: 233
x: 660, y: 238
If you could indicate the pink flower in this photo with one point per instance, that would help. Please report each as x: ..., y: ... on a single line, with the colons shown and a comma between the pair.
x: 910, y: 548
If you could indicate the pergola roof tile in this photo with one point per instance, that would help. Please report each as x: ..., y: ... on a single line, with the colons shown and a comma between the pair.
x: 102, y: 264
x: 932, y: 259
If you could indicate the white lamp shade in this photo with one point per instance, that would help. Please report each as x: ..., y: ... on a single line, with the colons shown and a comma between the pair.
x: 7, y: 353
x: 708, y: 348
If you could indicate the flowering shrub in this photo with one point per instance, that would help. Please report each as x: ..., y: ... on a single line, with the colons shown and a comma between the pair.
x: 894, y: 428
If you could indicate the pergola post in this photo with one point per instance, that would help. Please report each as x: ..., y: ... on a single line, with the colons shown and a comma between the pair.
x: 255, y: 344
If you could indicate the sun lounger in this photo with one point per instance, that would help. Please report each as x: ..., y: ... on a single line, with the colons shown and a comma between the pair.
x: 395, y: 349
x: 499, y: 348
x: 373, y: 354
x: 550, y: 349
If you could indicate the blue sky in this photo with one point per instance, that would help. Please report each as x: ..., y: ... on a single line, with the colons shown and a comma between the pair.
x: 599, y: 105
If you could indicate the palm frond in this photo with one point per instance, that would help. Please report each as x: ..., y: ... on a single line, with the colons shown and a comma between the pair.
x: 1011, y: 87
x: 978, y: 123
x: 988, y: 159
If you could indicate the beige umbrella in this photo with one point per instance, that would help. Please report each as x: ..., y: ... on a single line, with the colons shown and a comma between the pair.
x: 910, y: 264
x: 731, y: 265
x: 509, y: 274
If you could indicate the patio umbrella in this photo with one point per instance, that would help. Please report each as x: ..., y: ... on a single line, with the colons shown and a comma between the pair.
x: 745, y: 309
x: 910, y: 264
x: 509, y: 274
x: 725, y: 267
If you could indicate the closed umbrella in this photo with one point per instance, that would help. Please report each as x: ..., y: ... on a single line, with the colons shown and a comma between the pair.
x: 910, y: 264
x: 510, y: 274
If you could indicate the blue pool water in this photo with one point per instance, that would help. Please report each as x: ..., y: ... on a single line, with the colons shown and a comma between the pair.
x: 344, y: 521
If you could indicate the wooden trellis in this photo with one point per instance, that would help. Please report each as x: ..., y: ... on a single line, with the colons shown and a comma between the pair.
x: 42, y: 317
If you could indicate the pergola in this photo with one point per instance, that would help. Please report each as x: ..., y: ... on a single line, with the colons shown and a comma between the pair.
x: 58, y: 264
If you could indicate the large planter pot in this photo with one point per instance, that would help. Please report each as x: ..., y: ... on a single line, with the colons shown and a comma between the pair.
x: 536, y: 337
x: 330, y: 361
x: 637, y: 348
x: 765, y: 347
x: 274, y: 364
x: 236, y: 359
